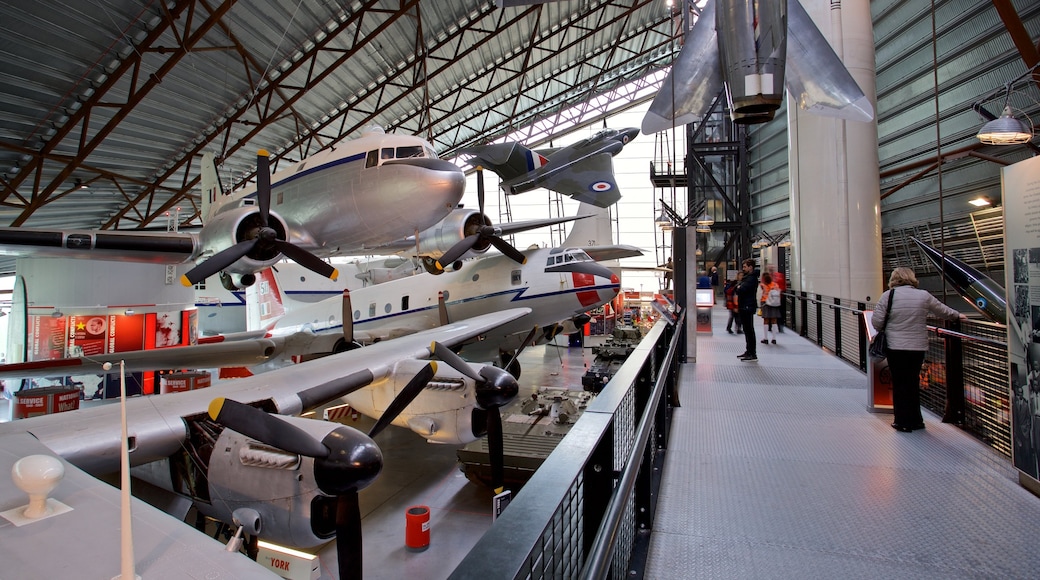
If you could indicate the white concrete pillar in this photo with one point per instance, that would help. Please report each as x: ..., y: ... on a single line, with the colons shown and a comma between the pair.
x: 835, y: 188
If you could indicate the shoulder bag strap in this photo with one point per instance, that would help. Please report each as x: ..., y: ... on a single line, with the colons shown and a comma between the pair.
x: 888, y: 309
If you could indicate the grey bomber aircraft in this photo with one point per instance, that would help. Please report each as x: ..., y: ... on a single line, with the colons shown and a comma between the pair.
x: 236, y: 452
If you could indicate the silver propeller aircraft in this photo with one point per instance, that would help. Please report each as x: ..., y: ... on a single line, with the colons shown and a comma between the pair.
x: 340, y: 199
x: 583, y: 170
x: 745, y: 48
x: 235, y: 453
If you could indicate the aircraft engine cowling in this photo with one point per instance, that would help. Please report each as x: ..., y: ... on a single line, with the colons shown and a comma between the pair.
x: 433, y: 242
x: 285, y: 489
x: 241, y: 224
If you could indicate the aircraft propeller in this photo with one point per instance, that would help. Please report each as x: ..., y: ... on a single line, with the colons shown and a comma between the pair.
x: 345, y: 461
x: 264, y: 237
x: 495, y: 388
x: 481, y: 236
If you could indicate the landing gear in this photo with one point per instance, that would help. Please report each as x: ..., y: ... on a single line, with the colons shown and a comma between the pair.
x: 510, y: 364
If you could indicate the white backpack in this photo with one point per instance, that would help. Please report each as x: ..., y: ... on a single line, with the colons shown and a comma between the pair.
x: 773, y: 298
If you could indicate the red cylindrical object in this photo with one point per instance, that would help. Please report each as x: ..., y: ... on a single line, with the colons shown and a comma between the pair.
x: 417, y: 528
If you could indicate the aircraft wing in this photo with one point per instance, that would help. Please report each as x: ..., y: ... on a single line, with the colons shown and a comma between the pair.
x: 587, y: 178
x: 89, y: 438
x: 816, y: 78
x: 612, y: 252
x: 201, y: 356
x: 84, y: 541
x: 408, y: 244
x: 694, y: 80
x: 116, y: 245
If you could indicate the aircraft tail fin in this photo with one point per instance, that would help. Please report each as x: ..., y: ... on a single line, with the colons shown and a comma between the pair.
x: 212, y: 192
x: 593, y: 231
x: 509, y: 160
x: 265, y: 303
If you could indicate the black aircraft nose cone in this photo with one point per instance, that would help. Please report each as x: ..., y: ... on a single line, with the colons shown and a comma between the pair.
x: 354, y: 461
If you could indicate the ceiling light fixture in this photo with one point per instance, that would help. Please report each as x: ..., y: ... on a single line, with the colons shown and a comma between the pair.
x: 1005, y: 130
x: 981, y: 201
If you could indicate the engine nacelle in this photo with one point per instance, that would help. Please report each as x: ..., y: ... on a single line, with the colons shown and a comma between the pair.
x: 240, y: 224
x: 434, y: 241
x: 279, y: 486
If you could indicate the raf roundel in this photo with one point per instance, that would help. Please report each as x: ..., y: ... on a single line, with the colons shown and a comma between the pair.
x: 601, y: 186
x: 980, y: 302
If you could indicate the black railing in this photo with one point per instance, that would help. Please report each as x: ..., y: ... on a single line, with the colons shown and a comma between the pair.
x: 965, y: 378
x: 588, y: 510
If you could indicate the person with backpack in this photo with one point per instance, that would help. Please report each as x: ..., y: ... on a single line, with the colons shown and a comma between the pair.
x: 730, y: 291
x: 770, y: 307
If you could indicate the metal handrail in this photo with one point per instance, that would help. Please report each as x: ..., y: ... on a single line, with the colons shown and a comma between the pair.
x: 598, y: 562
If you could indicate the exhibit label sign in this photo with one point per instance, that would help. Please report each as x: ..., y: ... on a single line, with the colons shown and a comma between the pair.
x: 1021, y: 193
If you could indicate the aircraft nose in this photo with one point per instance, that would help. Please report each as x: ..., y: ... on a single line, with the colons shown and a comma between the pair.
x: 445, y: 177
x: 629, y: 134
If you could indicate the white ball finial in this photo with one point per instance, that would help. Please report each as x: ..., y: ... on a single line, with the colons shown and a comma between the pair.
x: 107, y: 366
x: 37, y: 475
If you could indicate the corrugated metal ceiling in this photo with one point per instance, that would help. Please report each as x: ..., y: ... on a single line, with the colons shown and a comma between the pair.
x: 123, y: 96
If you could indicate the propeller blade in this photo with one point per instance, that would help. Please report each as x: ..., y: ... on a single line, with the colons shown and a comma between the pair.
x: 404, y: 398
x: 442, y: 309
x: 256, y: 424
x: 348, y: 536
x: 306, y: 259
x: 480, y: 189
x: 217, y: 262
x: 496, y: 449
x: 347, y: 316
x: 510, y: 252
x: 454, y: 361
x: 263, y: 184
x: 523, y: 345
x: 455, y: 252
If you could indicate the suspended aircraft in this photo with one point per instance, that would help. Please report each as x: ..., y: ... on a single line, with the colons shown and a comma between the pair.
x: 583, y: 170
x: 373, y: 189
x: 235, y: 453
x: 752, y: 50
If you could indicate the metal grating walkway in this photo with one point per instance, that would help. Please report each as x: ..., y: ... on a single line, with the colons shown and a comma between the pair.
x: 775, y: 469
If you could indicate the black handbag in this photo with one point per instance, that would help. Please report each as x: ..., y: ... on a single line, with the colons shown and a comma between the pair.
x: 879, y: 346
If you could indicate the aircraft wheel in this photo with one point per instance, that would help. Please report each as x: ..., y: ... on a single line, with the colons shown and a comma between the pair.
x: 513, y: 367
x: 344, y: 346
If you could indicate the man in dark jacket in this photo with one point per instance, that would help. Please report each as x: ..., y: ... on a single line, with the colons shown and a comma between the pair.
x: 747, y: 304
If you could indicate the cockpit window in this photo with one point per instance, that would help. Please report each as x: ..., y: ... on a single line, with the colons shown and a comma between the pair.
x: 388, y: 153
x: 372, y: 159
x: 570, y: 256
x: 407, y: 152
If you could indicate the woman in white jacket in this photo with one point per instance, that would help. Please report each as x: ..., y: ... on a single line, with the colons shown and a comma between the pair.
x: 907, y: 333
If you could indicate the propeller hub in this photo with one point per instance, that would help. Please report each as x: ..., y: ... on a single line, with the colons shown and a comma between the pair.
x: 497, y: 389
x: 354, y: 461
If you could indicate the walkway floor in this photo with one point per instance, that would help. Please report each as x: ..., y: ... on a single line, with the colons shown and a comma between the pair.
x: 776, y: 469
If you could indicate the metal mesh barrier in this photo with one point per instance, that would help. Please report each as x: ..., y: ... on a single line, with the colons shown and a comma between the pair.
x: 576, y: 512
x: 981, y: 360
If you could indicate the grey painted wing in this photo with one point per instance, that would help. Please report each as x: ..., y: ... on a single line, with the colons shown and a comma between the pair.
x: 816, y: 79
x: 693, y: 82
